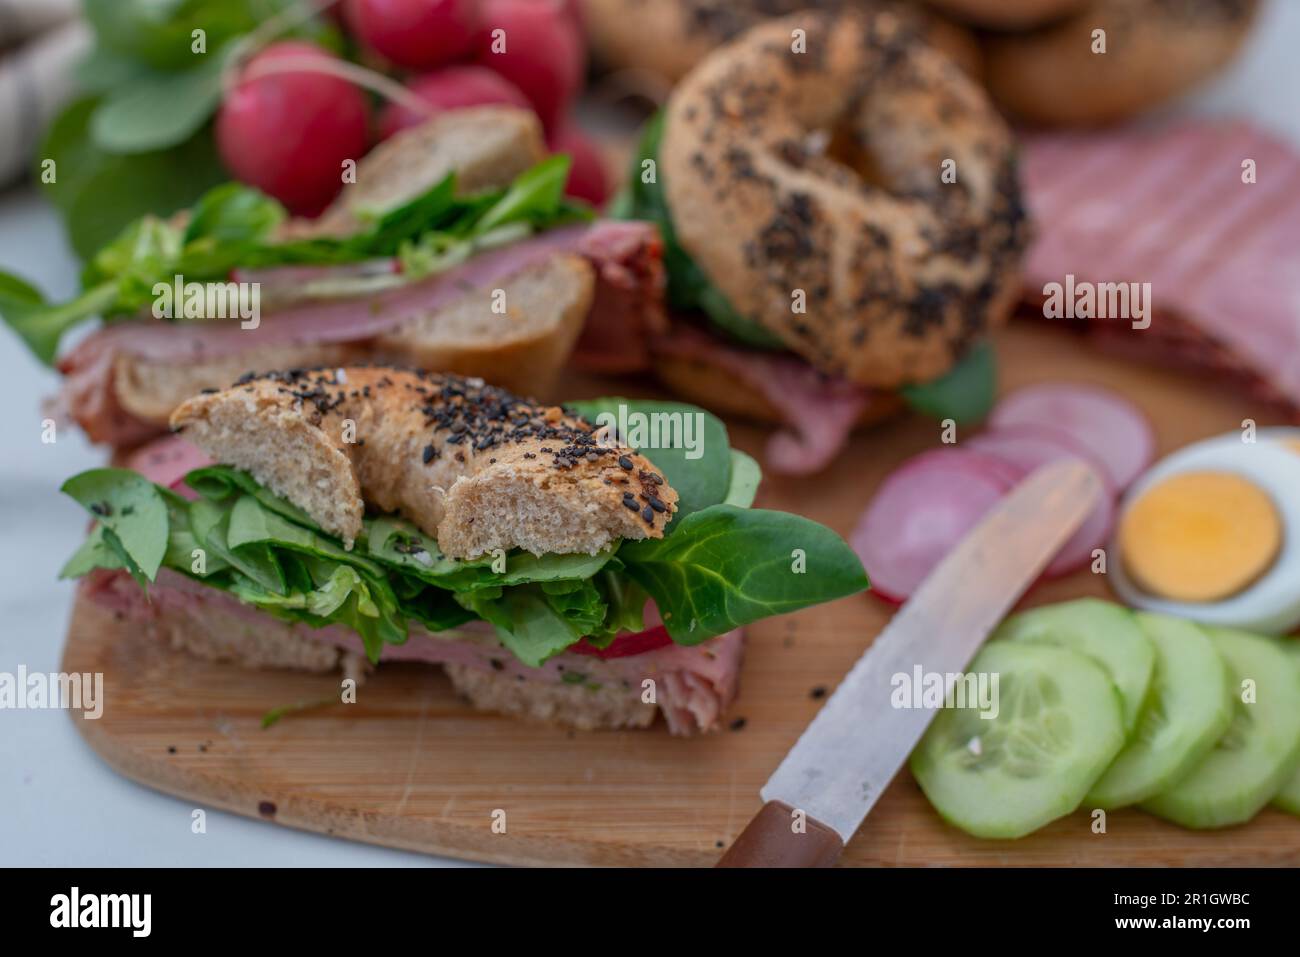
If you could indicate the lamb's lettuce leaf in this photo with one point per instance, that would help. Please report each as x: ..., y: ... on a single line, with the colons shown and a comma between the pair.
x: 131, y: 513
x: 730, y: 566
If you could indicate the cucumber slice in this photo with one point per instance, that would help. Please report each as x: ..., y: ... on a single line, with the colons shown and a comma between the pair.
x: 1059, y: 723
x: 1101, y: 630
x: 1188, y: 710
x: 1288, y: 798
x: 1261, y: 749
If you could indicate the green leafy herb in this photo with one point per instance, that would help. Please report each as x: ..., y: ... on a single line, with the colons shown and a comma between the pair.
x: 235, y: 226
x: 132, y: 514
x: 745, y: 478
x: 688, y: 285
x: 965, y: 394
x: 700, y: 474
x: 729, y: 566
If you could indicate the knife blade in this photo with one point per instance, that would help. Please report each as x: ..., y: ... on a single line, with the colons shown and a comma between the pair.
x: 855, y: 745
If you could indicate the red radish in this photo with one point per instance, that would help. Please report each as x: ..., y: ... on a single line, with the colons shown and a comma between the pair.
x: 920, y: 512
x: 1114, y: 430
x: 288, y: 133
x: 587, y: 177
x: 536, y: 45
x: 627, y: 644
x: 1028, y: 447
x: 416, y: 34
x: 452, y: 88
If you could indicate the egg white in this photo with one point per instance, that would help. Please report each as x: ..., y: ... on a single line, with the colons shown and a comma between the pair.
x: 1272, y: 604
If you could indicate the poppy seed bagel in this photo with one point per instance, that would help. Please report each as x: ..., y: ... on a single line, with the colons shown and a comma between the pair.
x: 470, y: 464
x: 668, y: 37
x: 1008, y: 14
x: 821, y: 173
x: 1155, y: 50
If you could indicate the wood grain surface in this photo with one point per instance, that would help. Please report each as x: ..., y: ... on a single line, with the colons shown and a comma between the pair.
x: 410, y: 765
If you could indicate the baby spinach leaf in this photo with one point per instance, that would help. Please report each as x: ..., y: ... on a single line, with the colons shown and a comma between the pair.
x: 697, y: 459
x: 251, y: 523
x: 208, y: 522
x: 525, y: 621
x: 131, y: 512
x: 727, y: 566
x: 965, y: 394
x: 220, y: 482
x: 93, y: 553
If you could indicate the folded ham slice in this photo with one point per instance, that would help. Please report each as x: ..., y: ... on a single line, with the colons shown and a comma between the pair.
x: 1171, y: 207
x: 626, y: 257
x: 819, y: 412
x: 693, y: 686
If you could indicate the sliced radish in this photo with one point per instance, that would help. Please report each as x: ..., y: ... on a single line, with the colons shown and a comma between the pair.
x: 1114, y: 430
x: 1026, y: 448
x: 920, y: 512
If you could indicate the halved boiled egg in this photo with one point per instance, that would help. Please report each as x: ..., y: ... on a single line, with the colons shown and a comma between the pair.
x: 1212, y: 533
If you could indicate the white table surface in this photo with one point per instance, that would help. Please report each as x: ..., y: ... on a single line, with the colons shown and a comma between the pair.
x: 59, y: 804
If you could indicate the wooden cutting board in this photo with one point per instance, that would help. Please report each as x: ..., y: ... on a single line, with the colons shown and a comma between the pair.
x: 410, y: 765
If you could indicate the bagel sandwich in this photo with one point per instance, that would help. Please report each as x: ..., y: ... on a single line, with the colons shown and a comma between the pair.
x: 454, y: 249
x: 347, y: 517
x: 843, y: 228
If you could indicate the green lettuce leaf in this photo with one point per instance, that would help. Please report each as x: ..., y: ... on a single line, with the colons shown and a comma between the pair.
x: 131, y: 514
x: 965, y: 394
x: 729, y: 566
x: 232, y: 225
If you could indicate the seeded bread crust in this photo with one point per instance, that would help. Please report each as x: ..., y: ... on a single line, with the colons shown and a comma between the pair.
x: 468, y: 463
x: 1155, y: 50
x: 521, y: 349
x: 899, y: 280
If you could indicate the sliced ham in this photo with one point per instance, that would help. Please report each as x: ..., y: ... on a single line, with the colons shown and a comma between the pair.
x: 166, y: 461
x: 628, y: 310
x: 819, y: 412
x: 1170, y: 207
x: 694, y: 685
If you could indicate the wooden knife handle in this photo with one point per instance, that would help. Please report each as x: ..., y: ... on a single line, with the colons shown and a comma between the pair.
x: 772, y: 839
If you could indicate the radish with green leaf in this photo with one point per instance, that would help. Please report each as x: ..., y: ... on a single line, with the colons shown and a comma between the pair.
x: 288, y: 125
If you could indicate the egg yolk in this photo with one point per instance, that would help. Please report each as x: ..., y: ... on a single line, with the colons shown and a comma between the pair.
x: 1200, y: 536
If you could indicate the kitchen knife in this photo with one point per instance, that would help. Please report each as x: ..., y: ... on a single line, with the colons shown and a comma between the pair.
x: 845, y: 759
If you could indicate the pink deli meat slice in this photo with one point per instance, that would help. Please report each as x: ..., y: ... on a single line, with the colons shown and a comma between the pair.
x: 694, y: 685
x: 819, y: 412
x: 1175, y: 207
